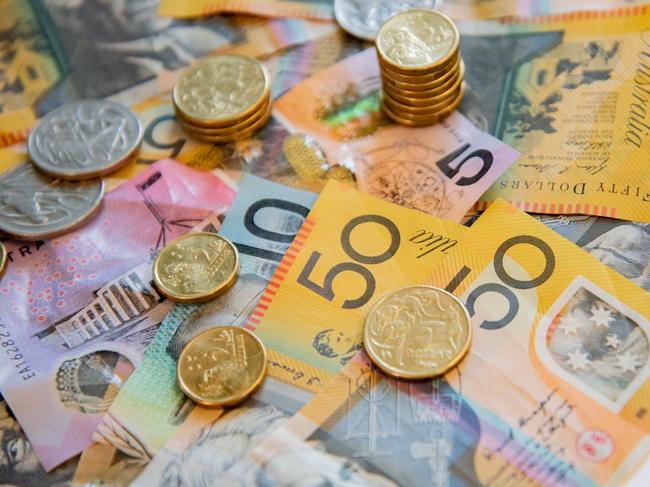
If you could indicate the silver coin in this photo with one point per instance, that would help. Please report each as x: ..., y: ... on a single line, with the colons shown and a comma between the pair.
x: 84, y: 139
x: 363, y: 18
x: 34, y: 206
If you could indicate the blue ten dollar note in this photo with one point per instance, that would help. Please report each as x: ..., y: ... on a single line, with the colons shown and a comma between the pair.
x: 262, y: 223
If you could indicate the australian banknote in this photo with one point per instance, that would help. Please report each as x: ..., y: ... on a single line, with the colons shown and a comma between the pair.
x: 262, y: 223
x: 116, y: 456
x: 485, y: 9
x: 104, y: 464
x: 623, y: 246
x: 19, y: 464
x: 557, y: 333
x: 225, y: 439
x: 358, y: 247
x: 351, y: 248
x: 273, y: 153
x: 312, y: 9
x: 518, y: 74
x: 569, y: 92
x: 441, y: 170
x: 61, y: 51
x: 78, y: 311
x: 407, y: 243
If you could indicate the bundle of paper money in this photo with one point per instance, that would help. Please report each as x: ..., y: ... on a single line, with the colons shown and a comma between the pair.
x: 328, y: 242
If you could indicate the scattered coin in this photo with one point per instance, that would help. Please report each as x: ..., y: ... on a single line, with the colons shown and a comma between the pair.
x: 418, y: 332
x: 3, y: 259
x: 84, y: 139
x: 223, y: 98
x: 222, y: 366
x: 196, y: 268
x: 421, y: 69
x: 34, y: 206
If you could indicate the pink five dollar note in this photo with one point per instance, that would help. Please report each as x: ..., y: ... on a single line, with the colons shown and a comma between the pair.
x: 441, y: 170
x: 77, y: 312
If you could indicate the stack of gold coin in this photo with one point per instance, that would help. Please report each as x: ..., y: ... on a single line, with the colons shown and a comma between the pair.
x: 421, y: 69
x: 223, y: 98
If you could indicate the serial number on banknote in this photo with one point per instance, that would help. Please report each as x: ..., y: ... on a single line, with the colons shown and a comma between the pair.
x: 9, y: 346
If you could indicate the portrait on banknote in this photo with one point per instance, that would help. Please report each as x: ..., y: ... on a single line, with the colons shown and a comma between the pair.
x: 336, y: 344
x: 623, y: 246
x: 19, y: 464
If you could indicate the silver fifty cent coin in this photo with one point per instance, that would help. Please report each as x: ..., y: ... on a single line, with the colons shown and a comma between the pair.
x: 363, y: 18
x: 34, y: 206
x: 84, y: 139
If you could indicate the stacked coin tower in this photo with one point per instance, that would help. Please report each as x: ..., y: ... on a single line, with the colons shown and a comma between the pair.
x: 421, y: 68
x: 223, y: 98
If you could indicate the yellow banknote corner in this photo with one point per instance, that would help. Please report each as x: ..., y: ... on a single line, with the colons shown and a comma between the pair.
x: 579, y: 114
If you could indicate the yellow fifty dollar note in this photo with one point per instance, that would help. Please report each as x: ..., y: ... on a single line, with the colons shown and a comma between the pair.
x: 557, y: 333
x: 318, y: 9
x: 573, y: 97
x: 461, y: 9
x: 351, y: 249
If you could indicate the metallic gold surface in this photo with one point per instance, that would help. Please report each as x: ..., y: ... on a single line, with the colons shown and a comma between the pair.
x: 228, y: 131
x: 196, y: 268
x: 417, y: 332
x: 430, y: 111
x: 222, y: 366
x: 230, y: 137
x: 417, y: 40
x: 422, y: 121
x: 221, y: 91
x: 423, y: 89
x: 3, y: 259
x: 424, y: 99
x: 423, y: 106
x: 424, y: 75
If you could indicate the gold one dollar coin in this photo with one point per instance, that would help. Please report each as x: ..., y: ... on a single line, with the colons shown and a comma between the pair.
x: 196, y: 267
x: 418, y: 332
x: 222, y: 366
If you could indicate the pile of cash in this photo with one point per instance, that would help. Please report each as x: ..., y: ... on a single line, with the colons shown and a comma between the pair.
x: 69, y: 150
x: 223, y: 98
x: 335, y: 242
x: 421, y: 68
